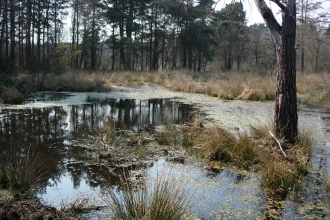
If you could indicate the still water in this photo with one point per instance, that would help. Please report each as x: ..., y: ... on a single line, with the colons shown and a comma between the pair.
x: 53, y: 130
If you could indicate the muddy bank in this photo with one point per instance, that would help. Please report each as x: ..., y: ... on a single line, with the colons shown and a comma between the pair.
x: 30, y: 208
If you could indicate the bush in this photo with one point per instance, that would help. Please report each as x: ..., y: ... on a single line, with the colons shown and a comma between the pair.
x: 12, y: 96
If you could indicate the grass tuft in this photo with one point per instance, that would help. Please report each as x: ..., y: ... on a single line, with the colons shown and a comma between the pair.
x: 12, y: 96
x: 281, y: 172
x: 78, y: 205
x: 23, y: 170
x: 167, y: 199
x: 220, y: 145
x: 257, y: 150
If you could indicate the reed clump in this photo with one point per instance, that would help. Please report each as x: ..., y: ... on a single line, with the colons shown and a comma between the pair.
x: 78, y: 205
x: 166, y: 198
x: 22, y: 171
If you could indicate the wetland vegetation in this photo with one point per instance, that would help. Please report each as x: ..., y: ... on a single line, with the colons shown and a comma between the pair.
x: 179, y: 134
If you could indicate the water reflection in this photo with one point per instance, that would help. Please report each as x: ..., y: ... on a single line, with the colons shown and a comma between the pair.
x: 50, y: 131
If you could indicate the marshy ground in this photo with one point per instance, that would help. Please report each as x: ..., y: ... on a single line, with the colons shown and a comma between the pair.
x: 153, y: 144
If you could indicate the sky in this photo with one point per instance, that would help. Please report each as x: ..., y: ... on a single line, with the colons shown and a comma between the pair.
x: 253, y: 15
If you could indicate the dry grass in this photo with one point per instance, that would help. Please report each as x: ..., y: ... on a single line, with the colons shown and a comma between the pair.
x: 76, y: 82
x: 78, y: 204
x: 315, y: 88
x: 166, y: 199
x: 233, y: 86
x: 217, y: 144
x: 255, y: 150
x: 12, y: 96
x: 280, y: 172
x: 244, y: 86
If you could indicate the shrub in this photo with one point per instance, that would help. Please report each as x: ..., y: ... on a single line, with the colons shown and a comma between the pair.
x: 12, y: 96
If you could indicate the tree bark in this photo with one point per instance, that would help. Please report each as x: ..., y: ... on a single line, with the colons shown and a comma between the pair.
x: 285, y: 114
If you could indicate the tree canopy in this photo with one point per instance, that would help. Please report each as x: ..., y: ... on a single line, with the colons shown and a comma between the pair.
x: 147, y: 35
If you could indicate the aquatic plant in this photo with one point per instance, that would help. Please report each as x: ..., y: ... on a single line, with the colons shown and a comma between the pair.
x: 78, y: 204
x: 166, y: 199
x: 12, y: 96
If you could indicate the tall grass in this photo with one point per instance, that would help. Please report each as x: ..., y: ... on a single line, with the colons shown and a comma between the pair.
x: 166, y: 199
x: 75, y: 82
x: 315, y: 88
x: 23, y: 170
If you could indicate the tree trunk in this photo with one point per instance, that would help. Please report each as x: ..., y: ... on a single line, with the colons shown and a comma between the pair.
x: 285, y: 117
x: 12, y: 35
x: 285, y: 114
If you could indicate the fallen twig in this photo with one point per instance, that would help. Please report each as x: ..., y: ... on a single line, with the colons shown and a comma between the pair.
x: 278, y: 142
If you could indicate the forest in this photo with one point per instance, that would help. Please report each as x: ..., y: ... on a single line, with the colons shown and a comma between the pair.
x: 150, y: 35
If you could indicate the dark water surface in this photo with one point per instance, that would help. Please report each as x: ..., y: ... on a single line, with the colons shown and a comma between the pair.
x: 52, y: 131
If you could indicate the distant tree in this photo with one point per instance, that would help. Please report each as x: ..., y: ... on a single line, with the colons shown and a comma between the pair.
x: 261, y: 49
x: 285, y: 116
x: 305, y: 11
x: 232, y: 34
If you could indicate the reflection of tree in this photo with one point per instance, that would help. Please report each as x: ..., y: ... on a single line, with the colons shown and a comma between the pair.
x: 46, y: 129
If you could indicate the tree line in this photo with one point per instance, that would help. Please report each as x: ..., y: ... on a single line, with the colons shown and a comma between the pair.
x: 149, y: 35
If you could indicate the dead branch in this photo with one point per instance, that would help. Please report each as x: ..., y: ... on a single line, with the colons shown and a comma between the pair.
x: 278, y: 142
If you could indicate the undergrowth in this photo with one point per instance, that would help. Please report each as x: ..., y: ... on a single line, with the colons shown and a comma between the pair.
x: 256, y: 150
x: 313, y: 88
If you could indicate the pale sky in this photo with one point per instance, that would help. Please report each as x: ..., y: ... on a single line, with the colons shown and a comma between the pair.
x: 253, y: 15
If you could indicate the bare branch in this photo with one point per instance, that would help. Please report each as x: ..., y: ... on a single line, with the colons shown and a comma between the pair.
x: 269, y: 18
x: 278, y: 142
x: 279, y: 4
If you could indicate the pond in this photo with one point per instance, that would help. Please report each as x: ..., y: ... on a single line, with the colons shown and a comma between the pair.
x: 65, y: 134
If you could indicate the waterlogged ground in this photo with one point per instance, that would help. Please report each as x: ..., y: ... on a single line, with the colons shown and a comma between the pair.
x: 64, y: 127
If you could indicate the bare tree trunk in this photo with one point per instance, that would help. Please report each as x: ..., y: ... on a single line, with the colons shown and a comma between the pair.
x: 285, y: 115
